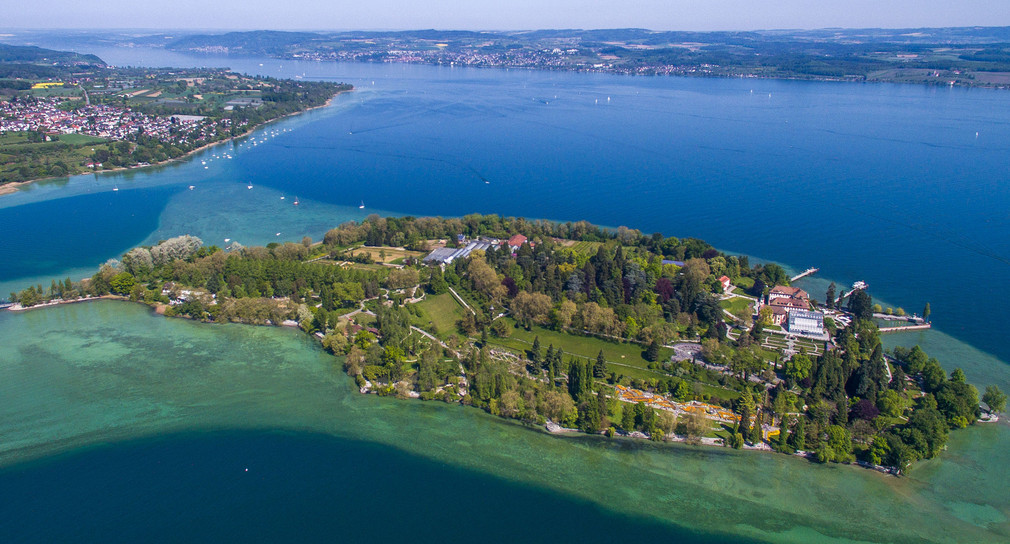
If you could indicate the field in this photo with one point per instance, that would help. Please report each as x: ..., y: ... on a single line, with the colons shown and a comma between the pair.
x: 81, y: 139
x: 385, y: 254
x: 39, y: 159
x: 587, y: 248
x: 441, y: 311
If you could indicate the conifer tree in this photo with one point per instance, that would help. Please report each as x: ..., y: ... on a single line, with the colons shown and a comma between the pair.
x: 652, y: 352
x: 600, y: 368
x: 798, y: 438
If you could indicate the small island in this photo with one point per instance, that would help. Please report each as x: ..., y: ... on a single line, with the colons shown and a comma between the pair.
x: 64, y: 114
x: 575, y: 328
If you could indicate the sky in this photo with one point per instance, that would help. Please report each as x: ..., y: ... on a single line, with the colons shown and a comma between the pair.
x: 501, y: 14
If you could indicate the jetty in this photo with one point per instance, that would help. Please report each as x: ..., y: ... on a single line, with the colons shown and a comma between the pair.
x: 804, y: 274
x: 855, y: 287
x: 906, y: 328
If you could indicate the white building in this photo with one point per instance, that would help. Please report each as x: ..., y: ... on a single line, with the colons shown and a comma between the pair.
x: 806, y: 322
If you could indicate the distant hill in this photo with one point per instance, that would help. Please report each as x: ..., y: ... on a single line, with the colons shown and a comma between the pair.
x: 258, y: 42
x: 29, y: 54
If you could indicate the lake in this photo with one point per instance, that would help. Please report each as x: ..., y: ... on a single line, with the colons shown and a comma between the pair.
x: 900, y: 186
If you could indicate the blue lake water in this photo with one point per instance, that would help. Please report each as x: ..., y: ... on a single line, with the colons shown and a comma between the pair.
x: 904, y: 187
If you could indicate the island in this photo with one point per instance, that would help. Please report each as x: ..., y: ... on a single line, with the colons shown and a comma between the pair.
x: 64, y: 114
x: 575, y: 328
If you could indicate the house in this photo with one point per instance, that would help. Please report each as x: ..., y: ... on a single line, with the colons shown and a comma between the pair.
x: 790, y: 303
x: 726, y: 285
x: 516, y: 241
x: 781, y: 291
x: 779, y: 315
x: 806, y: 322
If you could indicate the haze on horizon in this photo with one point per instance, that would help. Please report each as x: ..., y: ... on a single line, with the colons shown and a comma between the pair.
x: 700, y: 15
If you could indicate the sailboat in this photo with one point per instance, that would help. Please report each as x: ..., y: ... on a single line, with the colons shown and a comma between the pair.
x: 115, y: 188
x: 362, y: 206
x: 296, y: 200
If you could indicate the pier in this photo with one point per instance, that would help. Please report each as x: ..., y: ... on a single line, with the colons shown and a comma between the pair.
x: 906, y: 328
x: 804, y: 274
x: 855, y: 287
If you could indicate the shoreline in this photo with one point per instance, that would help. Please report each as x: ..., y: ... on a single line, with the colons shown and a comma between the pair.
x: 549, y: 427
x: 15, y: 186
x: 577, y: 70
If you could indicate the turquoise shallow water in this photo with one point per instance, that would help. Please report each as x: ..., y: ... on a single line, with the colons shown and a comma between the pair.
x: 104, y: 399
x: 882, y: 183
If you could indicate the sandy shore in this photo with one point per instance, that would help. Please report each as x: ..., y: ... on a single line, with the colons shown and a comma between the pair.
x: 59, y: 301
x: 14, y: 186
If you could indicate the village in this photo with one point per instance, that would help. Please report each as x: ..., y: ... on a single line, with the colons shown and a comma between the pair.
x: 45, y: 115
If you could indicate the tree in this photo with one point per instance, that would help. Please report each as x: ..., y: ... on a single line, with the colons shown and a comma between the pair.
x: 958, y: 376
x: 530, y: 308
x: 782, y: 444
x: 436, y: 283
x: 798, y: 367
x: 926, y: 313
x: 122, y: 283
x: 830, y: 296
x: 926, y: 432
x: 756, y: 432
x: 958, y: 402
x: 600, y: 367
x: 652, y: 352
x: 994, y: 399
x: 627, y: 418
x: 694, y: 426
x: 798, y: 438
x: 535, y: 357
x: 860, y: 304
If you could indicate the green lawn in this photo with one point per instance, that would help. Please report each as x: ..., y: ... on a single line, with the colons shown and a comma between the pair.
x: 442, y: 311
x: 80, y: 139
x: 744, y: 282
x: 588, y: 346
x: 735, y: 304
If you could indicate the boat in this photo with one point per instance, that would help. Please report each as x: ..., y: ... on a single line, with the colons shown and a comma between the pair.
x: 362, y: 206
x: 248, y: 186
x: 191, y: 187
x: 115, y: 188
x: 296, y: 201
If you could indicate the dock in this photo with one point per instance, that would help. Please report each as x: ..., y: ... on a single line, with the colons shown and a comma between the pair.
x: 906, y: 328
x: 804, y: 274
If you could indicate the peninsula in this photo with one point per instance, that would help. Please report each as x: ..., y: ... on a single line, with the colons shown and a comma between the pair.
x: 63, y: 114
x: 577, y: 328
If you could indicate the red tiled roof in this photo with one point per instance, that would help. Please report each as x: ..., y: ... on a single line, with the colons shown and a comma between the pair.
x: 517, y: 240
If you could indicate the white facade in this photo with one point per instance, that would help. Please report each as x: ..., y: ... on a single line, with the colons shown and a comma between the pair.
x: 806, y: 322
